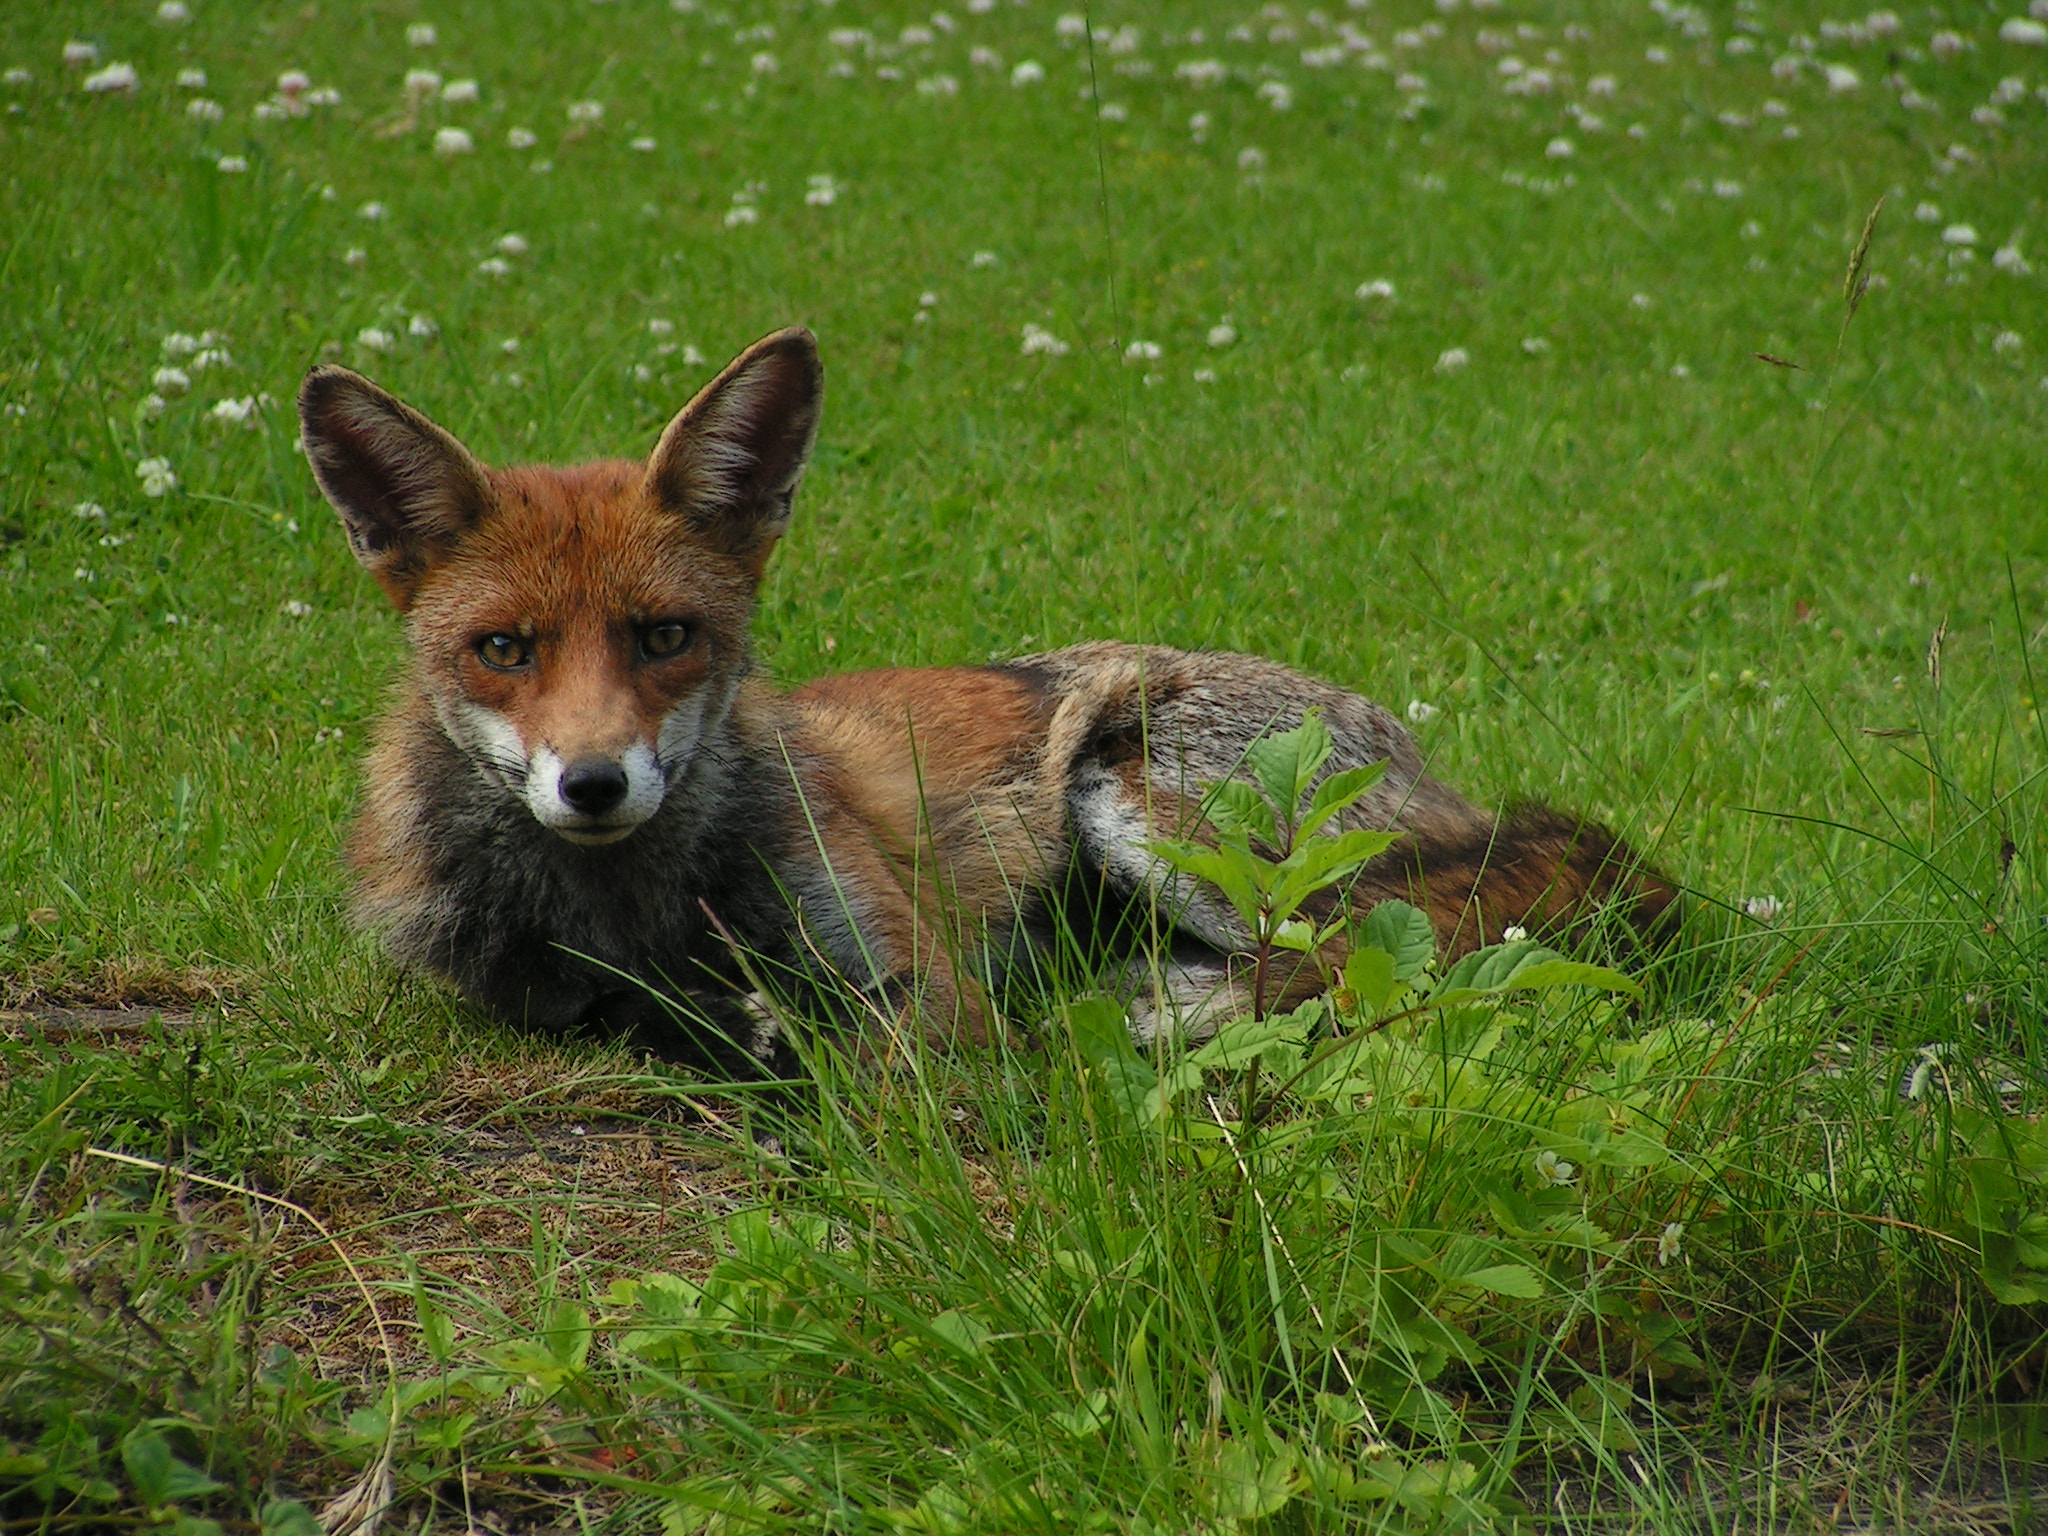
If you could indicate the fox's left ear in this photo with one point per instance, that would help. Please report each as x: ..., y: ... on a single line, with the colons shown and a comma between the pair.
x: 729, y: 463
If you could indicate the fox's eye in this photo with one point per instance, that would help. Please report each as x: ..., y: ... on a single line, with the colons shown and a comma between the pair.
x: 505, y: 653
x: 659, y: 640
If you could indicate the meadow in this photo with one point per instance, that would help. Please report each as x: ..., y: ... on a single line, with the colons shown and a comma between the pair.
x: 1648, y: 401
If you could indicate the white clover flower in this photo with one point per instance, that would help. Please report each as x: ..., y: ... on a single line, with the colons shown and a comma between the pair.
x: 1201, y: 72
x: 153, y: 405
x: 1559, y: 149
x: 1554, y: 1170
x: 659, y: 327
x: 741, y: 213
x: 1205, y: 375
x: 355, y: 256
x: 423, y: 327
x: 512, y: 245
x: 1029, y: 72
x: 982, y: 259
x: 2009, y: 258
x: 1535, y: 346
x: 1514, y: 933
x: 299, y: 610
x: 2027, y: 33
x: 79, y: 54
x: 1112, y: 111
x: 421, y: 34
x: 1668, y: 1243
x: 91, y: 511
x: 1451, y: 359
x: 1946, y: 44
x: 234, y: 411
x: 1143, y: 352
x: 644, y: 145
x: 1251, y: 160
x: 916, y: 37
x: 171, y: 381
x: 180, y: 344
x: 1038, y: 339
x: 461, y: 92
x: 1222, y: 335
x: 231, y: 165
x: 1882, y: 23
x: 1378, y: 288
x: 453, y: 141
x: 1680, y: 371
x: 1419, y: 712
x: 521, y: 138
x: 495, y: 267
x: 268, y: 112
x: 373, y: 211
x: 821, y: 191
x: 323, y: 96
x: 115, y: 77
x: 1927, y: 213
x: 293, y: 82
x: 693, y: 357
x: 209, y: 356
x: 1410, y: 84
x: 201, y: 110
x: 1277, y: 96
x: 927, y: 300
x: 1842, y: 78
x: 764, y: 64
x: 156, y: 477
x: 1727, y: 188
x: 173, y: 13
x: 1959, y: 234
x: 1071, y: 28
x: 2008, y: 343
x: 946, y: 85
x: 374, y: 338
x: 509, y: 346
x: 586, y: 111
x: 422, y: 83
x: 1639, y: 301
x: 1765, y: 909
x: 985, y: 58
x: 17, y: 76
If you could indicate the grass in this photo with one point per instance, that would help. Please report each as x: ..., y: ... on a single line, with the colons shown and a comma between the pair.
x: 1775, y: 623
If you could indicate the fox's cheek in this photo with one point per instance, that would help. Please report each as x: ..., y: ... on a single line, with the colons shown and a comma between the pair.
x: 682, y: 728
x: 486, y: 735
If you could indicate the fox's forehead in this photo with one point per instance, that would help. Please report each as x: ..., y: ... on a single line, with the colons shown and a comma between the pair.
x: 565, y: 547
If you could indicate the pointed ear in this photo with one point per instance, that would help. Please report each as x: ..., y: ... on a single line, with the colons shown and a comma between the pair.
x: 406, y: 490
x: 729, y: 463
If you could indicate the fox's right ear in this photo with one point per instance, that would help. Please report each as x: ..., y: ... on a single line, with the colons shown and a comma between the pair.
x: 406, y: 490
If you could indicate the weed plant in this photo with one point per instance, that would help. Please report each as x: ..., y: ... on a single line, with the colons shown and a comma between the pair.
x: 1496, y: 361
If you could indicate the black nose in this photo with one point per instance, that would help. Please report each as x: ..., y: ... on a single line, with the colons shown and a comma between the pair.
x: 594, y: 785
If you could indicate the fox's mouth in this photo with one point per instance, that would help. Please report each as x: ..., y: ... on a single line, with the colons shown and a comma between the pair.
x: 595, y: 834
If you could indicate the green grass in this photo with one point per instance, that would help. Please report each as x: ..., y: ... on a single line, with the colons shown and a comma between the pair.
x: 1636, y: 570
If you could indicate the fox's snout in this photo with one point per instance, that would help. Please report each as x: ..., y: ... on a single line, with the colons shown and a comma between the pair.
x: 594, y: 797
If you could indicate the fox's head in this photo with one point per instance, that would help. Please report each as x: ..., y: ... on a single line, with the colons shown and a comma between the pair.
x: 580, y: 631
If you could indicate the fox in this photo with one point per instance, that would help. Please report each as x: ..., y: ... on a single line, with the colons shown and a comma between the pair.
x: 588, y: 807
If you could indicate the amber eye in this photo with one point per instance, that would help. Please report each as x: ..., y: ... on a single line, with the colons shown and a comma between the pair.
x: 662, y: 640
x: 504, y: 653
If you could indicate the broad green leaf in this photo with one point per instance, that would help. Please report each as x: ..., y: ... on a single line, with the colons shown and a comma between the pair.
x: 1403, y: 932
x: 963, y: 1332
x: 1369, y: 974
x: 288, y: 1517
x: 1296, y: 935
x: 1102, y: 1038
x: 159, y: 1477
x: 1239, y: 874
x: 1504, y: 1280
x: 1243, y: 1040
x: 1338, y: 793
x: 1234, y: 806
x: 1523, y: 966
x: 568, y: 1335
x: 1322, y: 862
x: 1285, y: 763
x: 1085, y: 1417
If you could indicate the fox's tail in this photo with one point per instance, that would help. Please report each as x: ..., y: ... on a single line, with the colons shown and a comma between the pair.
x: 1539, y: 869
